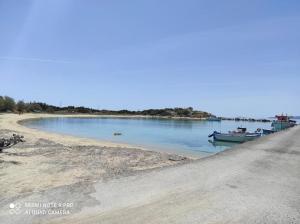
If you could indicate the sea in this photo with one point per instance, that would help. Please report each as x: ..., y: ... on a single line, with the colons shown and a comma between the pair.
x: 186, y: 137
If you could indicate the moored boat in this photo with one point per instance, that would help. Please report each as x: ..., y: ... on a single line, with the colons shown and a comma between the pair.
x: 239, y: 136
x: 282, y: 122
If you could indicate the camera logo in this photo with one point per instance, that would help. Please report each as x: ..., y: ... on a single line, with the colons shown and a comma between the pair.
x: 14, y: 208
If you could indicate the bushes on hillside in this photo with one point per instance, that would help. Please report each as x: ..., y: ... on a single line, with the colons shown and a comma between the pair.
x: 7, y: 104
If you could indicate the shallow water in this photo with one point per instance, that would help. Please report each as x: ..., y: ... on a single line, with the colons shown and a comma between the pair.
x: 182, y: 136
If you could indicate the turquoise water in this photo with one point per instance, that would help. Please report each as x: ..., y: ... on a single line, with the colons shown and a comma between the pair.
x: 183, y: 136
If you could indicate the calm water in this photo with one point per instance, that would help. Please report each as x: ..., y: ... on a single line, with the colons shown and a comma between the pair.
x: 182, y: 136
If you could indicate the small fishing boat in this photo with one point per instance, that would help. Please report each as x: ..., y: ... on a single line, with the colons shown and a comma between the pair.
x: 235, y: 136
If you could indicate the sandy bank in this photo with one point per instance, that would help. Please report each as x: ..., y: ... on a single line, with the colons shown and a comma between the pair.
x: 48, y: 160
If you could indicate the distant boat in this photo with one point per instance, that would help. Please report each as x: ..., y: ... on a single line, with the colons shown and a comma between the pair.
x: 238, y: 136
x: 213, y: 119
x: 296, y: 117
x: 117, y: 133
x: 282, y: 122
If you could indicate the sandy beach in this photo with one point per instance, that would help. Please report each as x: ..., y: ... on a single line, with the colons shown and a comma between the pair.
x: 48, y: 160
x: 104, y: 182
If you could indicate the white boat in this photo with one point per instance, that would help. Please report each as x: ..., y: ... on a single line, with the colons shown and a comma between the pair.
x: 235, y: 136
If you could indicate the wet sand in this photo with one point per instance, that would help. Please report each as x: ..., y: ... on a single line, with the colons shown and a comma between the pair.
x: 256, y: 182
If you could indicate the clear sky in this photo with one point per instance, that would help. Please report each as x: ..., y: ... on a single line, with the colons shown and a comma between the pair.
x: 231, y: 58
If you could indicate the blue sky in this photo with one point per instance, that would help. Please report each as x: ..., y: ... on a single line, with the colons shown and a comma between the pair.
x: 231, y: 58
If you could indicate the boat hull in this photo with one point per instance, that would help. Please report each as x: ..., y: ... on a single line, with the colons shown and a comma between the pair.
x: 267, y: 132
x: 235, y: 137
x: 281, y: 125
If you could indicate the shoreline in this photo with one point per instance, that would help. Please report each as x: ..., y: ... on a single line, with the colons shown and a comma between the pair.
x: 255, y: 182
x: 258, y: 120
x: 87, y: 140
x: 15, y: 122
x: 93, y: 159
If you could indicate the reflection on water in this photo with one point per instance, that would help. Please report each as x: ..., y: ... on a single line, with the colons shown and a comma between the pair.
x: 185, y: 136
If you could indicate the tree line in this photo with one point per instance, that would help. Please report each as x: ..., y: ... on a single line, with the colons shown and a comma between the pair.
x: 8, y: 104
